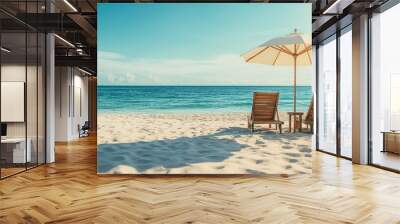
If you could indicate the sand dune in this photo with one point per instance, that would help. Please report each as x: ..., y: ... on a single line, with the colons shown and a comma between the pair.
x: 197, y: 144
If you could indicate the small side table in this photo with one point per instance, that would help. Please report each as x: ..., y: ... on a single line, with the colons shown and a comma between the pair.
x: 294, y: 115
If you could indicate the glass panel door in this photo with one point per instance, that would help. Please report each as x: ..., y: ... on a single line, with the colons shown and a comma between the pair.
x: 327, y: 96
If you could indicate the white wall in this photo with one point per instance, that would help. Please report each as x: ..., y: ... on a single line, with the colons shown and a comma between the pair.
x: 33, y: 127
x: 79, y: 117
x: 62, y: 82
x: 10, y: 73
x: 70, y: 83
x: 16, y: 73
x: 13, y: 72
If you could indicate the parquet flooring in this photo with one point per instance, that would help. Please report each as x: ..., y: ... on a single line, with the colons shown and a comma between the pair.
x: 70, y: 191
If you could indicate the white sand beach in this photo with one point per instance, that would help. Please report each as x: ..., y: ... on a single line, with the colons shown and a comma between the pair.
x: 132, y: 143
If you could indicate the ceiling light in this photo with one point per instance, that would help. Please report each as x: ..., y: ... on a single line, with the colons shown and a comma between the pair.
x: 84, y: 71
x: 64, y: 40
x: 333, y: 6
x: 337, y: 7
x: 5, y: 50
x: 70, y: 5
x: 79, y: 51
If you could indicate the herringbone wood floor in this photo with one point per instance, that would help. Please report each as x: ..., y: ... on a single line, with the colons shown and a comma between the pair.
x: 70, y: 191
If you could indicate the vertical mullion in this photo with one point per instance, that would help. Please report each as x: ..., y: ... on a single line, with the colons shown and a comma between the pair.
x: 26, y: 86
x: 73, y: 93
x: 0, y: 98
x: 317, y: 97
x: 45, y: 94
x: 338, y: 81
x: 369, y: 88
x: 45, y: 88
x: 37, y: 90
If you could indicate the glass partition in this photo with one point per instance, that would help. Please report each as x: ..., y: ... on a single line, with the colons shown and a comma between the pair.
x: 385, y: 89
x: 327, y: 96
x: 346, y: 93
x: 22, y: 92
x: 13, y: 114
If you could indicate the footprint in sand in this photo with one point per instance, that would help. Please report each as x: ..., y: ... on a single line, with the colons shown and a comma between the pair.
x: 258, y: 142
x: 287, y: 147
x: 292, y: 154
x: 254, y: 172
x: 292, y: 160
x: 259, y: 161
x: 305, y: 150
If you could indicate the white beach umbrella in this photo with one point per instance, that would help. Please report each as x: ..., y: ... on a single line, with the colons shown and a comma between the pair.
x: 293, y: 49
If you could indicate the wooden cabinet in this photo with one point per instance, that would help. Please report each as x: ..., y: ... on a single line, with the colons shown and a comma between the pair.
x: 391, y: 142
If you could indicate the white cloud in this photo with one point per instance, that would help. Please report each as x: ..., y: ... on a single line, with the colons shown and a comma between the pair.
x: 228, y: 69
x: 110, y: 55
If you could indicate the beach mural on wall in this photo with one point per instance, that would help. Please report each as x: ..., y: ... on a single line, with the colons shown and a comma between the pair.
x: 175, y: 93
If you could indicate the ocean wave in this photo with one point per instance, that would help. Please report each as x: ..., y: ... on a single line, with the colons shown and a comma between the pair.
x: 174, y: 98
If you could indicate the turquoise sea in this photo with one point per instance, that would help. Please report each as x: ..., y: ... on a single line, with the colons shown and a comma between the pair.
x: 199, y: 99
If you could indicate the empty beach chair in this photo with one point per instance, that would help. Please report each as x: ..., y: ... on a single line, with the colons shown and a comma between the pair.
x: 265, y: 110
x: 309, y: 119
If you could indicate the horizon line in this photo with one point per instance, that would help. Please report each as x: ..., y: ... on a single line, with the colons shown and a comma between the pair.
x: 166, y: 85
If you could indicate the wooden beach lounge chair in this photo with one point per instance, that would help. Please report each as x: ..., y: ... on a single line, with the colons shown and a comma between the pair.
x: 265, y: 110
x: 309, y: 119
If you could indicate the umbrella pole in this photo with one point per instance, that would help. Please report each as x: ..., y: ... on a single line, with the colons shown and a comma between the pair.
x: 294, y: 85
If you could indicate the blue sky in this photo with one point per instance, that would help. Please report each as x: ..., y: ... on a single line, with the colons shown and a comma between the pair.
x: 193, y: 44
